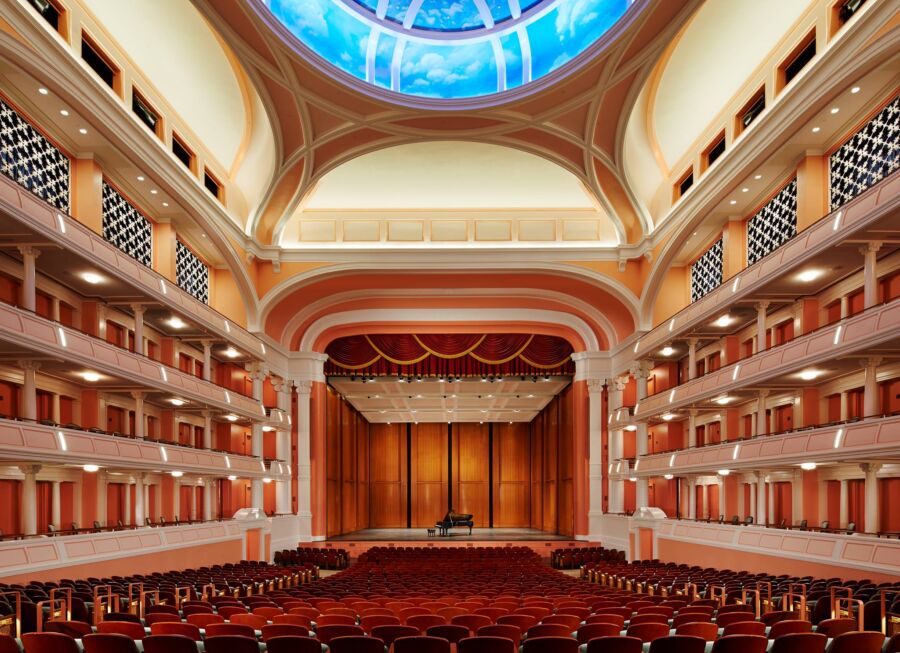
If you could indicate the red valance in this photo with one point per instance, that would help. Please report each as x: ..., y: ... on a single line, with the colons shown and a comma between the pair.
x: 449, y: 355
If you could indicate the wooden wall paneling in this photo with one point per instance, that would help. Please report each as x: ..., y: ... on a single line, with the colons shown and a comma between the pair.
x: 429, y: 474
x: 470, y: 472
x: 362, y: 473
x: 387, y: 476
x: 551, y: 463
x: 512, y: 475
x: 537, y: 471
x: 349, y: 417
x: 332, y: 462
x: 566, y: 459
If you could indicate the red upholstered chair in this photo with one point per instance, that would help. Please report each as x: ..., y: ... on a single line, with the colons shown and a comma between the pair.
x: 580, y: 612
x: 326, y: 633
x: 309, y: 613
x: 834, y: 627
x: 486, y: 644
x: 522, y: 621
x: 199, y: 609
x: 268, y: 612
x: 425, y: 621
x: 451, y: 612
x: 740, y: 644
x: 389, y: 632
x: 723, y: 620
x: 620, y: 644
x: 502, y: 630
x: 658, y: 609
x: 616, y: 619
x: 569, y: 620
x: 356, y: 644
x: 549, y: 630
x: 678, y: 644
x: 420, y: 644
x: 350, y: 612
x: 648, y: 618
x: 283, y: 630
x: 108, y: 643
x: 369, y: 622
x: 697, y: 609
x: 690, y: 617
x: 254, y: 620
x: 204, y: 620
x: 176, y: 628
x: 471, y: 621
x: 587, y: 632
x: 334, y: 620
x: 134, y: 631
x: 708, y: 631
x: 451, y: 632
x: 492, y: 613
x: 161, y: 617
x: 76, y: 629
x: 230, y: 630
x: 371, y: 612
x: 624, y: 612
x: 648, y: 632
x: 779, y: 615
x: 799, y: 643
x: 857, y: 642
x: 293, y: 645
x: 745, y: 628
x: 231, y: 644
x: 292, y: 619
x: 49, y: 643
x: 788, y: 627
x: 536, y: 611
x: 550, y: 645
x: 169, y: 644
x: 735, y: 607
x: 893, y: 645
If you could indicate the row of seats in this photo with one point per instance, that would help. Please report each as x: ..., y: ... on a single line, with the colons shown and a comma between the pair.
x: 574, y: 558
x: 322, y: 558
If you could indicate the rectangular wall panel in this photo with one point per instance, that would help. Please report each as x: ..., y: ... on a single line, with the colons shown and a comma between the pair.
x: 387, y: 476
x: 332, y: 463
x: 471, y: 471
x: 566, y: 464
x: 429, y: 474
x: 537, y: 471
x: 512, y: 475
x: 551, y: 462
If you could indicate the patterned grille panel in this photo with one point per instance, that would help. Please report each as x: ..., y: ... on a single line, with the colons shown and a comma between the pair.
x: 774, y: 225
x: 32, y: 161
x: 125, y: 227
x: 193, y: 275
x: 869, y: 156
x: 706, y: 272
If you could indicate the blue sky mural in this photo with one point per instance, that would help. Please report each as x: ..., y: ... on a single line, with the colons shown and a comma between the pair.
x: 479, y: 53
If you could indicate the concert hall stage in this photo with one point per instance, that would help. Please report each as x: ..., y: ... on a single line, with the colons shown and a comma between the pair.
x: 358, y: 542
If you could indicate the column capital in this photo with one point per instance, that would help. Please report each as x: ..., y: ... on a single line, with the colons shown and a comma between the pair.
x: 619, y: 383
x: 303, y: 387
x: 28, y: 364
x: 138, y: 309
x: 257, y: 371
x: 762, y: 394
x: 137, y: 395
x: 692, y: 341
x: 870, y: 248
x: 28, y: 250
x: 307, y: 366
x: 206, y: 343
x: 693, y: 412
x: 208, y: 414
x: 641, y: 369
x: 870, y: 468
x: 29, y: 469
x: 762, y: 305
x: 872, y: 361
x: 595, y: 385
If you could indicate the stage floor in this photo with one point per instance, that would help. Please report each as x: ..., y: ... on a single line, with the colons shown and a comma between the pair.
x: 457, y: 535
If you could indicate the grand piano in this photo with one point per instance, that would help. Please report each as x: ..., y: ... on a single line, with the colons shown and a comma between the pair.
x: 452, y: 520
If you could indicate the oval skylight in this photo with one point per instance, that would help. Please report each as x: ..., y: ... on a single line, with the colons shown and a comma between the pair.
x: 448, y: 48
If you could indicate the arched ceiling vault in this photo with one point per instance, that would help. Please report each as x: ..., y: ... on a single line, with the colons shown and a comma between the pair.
x: 320, y: 121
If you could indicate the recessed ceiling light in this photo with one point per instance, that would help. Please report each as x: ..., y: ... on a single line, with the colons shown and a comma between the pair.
x: 834, y: 110
x: 757, y: 177
x: 816, y: 130
x: 724, y: 320
x: 91, y: 468
x: 724, y: 472
x: 268, y: 429
x: 631, y: 427
x: 382, y: 411
x: 733, y: 202
x: 231, y: 352
x: 412, y: 411
x: 669, y: 417
x: 176, y: 473
x: 91, y: 377
x: 231, y: 418
x: 668, y: 350
x: 809, y: 275
x: 855, y: 90
x: 745, y: 190
x: 92, y: 278
x: 668, y: 477
x: 232, y: 478
x: 809, y: 375
x: 165, y: 204
x: 177, y: 402
x: 724, y: 400
x: 808, y: 466
x: 203, y: 235
x: 140, y: 177
x: 176, y: 322
x: 153, y: 191
x: 82, y: 131
x: 64, y: 113
x: 531, y: 396
x: 633, y: 479
x: 267, y: 480
x: 43, y: 91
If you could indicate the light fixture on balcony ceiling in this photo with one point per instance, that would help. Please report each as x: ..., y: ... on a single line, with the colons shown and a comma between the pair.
x: 631, y: 427
x: 231, y: 352
x: 668, y: 477
x: 267, y: 480
x: 724, y: 400
x: 808, y: 467
x: 175, y: 401
x: 91, y: 468
x: 231, y: 418
x: 809, y: 375
x: 92, y: 278
x: 724, y: 320
x: 176, y: 474
x: 633, y: 479
x: 232, y: 478
x: 809, y: 275
x: 669, y: 417
x: 91, y: 377
x: 176, y: 322
x: 668, y: 350
x: 724, y: 472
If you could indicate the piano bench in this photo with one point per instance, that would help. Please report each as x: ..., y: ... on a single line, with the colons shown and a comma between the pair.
x: 431, y: 532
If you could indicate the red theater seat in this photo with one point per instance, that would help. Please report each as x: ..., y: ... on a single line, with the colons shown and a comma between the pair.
x: 550, y: 645
x: 176, y: 628
x: 707, y: 631
x: 356, y: 644
x: 857, y: 642
x: 230, y: 630
x: 508, y: 631
x: 799, y: 643
x: 619, y: 644
x: 76, y: 629
x: 293, y: 645
x: 169, y: 644
x: 108, y: 643
x: 486, y: 644
x: 283, y: 630
x: 587, y: 632
x: 745, y: 628
x: 326, y: 633
x: 425, y: 621
x: 421, y: 644
x: 648, y: 632
x: 231, y: 644
x: 834, y: 627
x: 678, y: 644
x: 134, y: 631
x: 740, y: 644
x: 452, y: 633
x: 788, y: 627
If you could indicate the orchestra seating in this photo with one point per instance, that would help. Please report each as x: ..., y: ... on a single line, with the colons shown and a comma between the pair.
x: 574, y: 558
x: 322, y: 558
x: 474, y: 599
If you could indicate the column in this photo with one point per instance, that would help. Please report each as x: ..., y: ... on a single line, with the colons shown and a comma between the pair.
x: 257, y: 374
x: 29, y: 388
x: 55, y: 508
x: 102, y: 483
x: 722, y: 505
x: 54, y: 309
x: 29, y: 499
x: 193, y: 511
x: 845, y: 306
x: 797, y: 508
x: 595, y: 456
x: 752, y: 511
x: 138, y: 327
x: 692, y: 427
x: 207, y: 429
x: 845, y: 408
x: 844, y: 508
x: 873, y: 509
x: 29, y: 277
x: 208, y: 499
x: 616, y: 447
x: 761, y: 326
x: 283, y: 392
x: 870, y: 388
x: 706, y: 514
x: 770, y: 518
x: 692, y: 358
x: 823, y: 501
x: 207, y: 359
x: 126, y: 520
x: 139, y: 499
x: 870, y: 273
x: 641, y: 372
x: 55, y: 408
x: 761, y: 412
x: 138, y: 413
x: 760, y: 516
x: 304, y: 468
x: 692, y: 497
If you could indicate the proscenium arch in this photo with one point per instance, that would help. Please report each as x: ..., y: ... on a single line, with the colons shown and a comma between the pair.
x: 628, y: 301
x: 583, y: 173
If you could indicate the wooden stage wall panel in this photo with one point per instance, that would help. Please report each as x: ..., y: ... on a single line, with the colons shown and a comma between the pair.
x: 346, y: 461
x: 512, y: 475
x: 471, y: 491
x: 387, y: 475
x: 552, y: 468
x: 429, y: 473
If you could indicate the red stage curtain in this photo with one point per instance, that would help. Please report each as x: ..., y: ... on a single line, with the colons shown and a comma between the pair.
x: 450, y: 355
